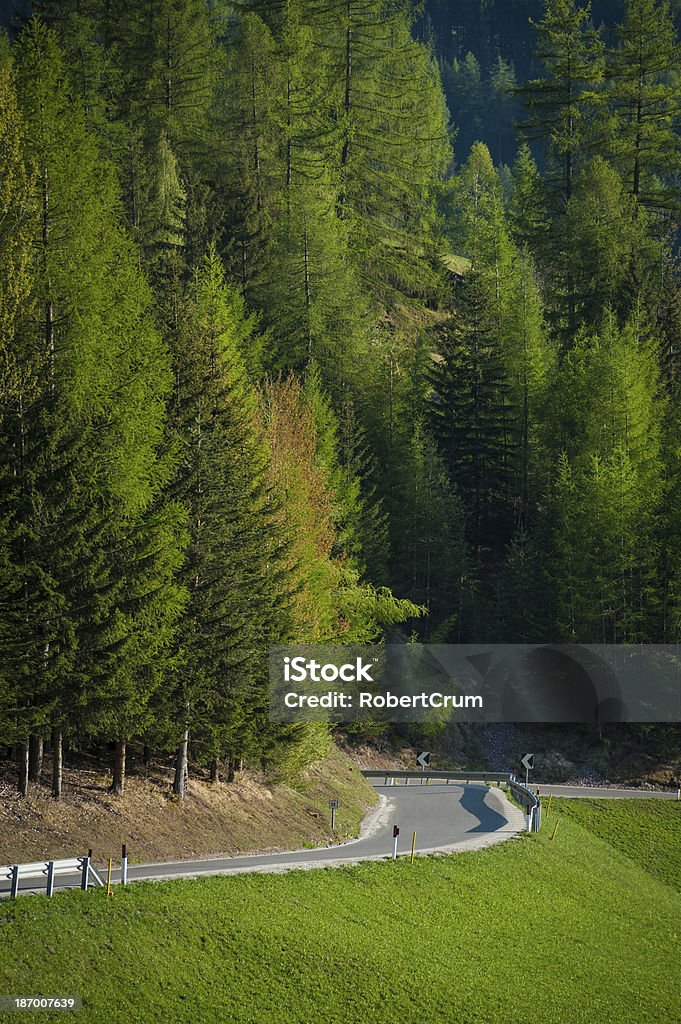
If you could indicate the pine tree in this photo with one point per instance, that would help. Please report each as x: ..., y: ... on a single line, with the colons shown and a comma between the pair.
x: 250, y: 169
x: 332, y: 602
x: 21, y: 701
x: 165, y: 50
x: 393, y: 149
x: 480, y: 229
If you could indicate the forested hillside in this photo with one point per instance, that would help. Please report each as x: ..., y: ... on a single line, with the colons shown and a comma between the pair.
x: 284, y: 358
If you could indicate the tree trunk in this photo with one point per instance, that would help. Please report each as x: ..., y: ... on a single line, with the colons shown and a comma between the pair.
x: 182, y: 767
x: 35, y: 758
x: 118, y: 783
x: 146, y: 755
x: 230, y: 770
x: 23, y: 768
x: 57, y: 755
x: 214, y: 770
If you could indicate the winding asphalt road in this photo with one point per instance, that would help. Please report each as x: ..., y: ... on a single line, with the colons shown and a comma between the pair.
x: 601, y: 792
x: 446, y: 819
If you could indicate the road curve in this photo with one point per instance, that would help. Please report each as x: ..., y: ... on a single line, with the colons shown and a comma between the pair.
x: 446, y: 819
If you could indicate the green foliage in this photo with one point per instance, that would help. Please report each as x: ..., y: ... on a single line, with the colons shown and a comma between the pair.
x: 88, y: 557
x: 562, y: 104
x: 392, y: 383
x: 646, y: 831
x: 483, y: 108
x: 642, y: 137
x: 612, y: 257
x: 608, y: 486
x: 233, y: 572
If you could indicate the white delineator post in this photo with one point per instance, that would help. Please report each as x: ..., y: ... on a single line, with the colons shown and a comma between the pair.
x: 396, y: 833
x: 124, y: 864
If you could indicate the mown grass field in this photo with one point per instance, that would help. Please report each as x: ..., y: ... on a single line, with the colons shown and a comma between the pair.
x: 533, y: 931
x: 647, y: 831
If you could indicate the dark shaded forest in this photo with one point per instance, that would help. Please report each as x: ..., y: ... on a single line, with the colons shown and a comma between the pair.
x: 325, y: 321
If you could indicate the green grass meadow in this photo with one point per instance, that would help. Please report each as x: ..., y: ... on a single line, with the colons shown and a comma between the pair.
x: 532, y: 931
x: 647, y: 831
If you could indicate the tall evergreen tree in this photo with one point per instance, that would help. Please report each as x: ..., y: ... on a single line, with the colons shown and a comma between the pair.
x: 472, y: 418
x: 233, y: 571
x: 643, y: 137
x: 608, y: 487
x: 561, y: 104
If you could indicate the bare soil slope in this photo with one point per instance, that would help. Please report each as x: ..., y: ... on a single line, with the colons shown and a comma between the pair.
x: 246, y: 816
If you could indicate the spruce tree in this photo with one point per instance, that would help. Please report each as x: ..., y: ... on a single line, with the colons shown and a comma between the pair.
x: 233, y: 573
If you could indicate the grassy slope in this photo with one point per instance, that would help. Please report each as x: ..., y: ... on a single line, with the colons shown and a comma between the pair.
x: 532, y: 931
x: 239, y: 818
x: 647, y: 831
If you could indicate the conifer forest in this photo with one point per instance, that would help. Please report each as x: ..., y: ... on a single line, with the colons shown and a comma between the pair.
x: 325, y: 321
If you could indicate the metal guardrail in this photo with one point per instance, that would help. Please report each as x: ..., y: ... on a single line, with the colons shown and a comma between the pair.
x: 524, y: 796
x: 15, y: 873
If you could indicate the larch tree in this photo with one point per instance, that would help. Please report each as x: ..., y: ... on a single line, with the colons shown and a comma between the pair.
x: 643, y: 136
x: 561, y: 104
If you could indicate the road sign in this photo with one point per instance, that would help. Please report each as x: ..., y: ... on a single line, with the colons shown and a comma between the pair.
x: 333, y: 804
x: 423, y: 758
x: 527, y: 763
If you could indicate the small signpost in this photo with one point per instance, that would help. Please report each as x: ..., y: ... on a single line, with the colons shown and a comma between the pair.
x: 396, y: 833
x: 527, y: 763
x: 334, y: 805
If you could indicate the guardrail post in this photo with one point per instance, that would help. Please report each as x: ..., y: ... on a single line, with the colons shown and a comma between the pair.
x: 85, y: 873
x: 15, y: 879
x: 50, y: 878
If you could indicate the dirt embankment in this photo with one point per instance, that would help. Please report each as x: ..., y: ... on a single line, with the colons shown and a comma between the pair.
x: 215, y: 819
